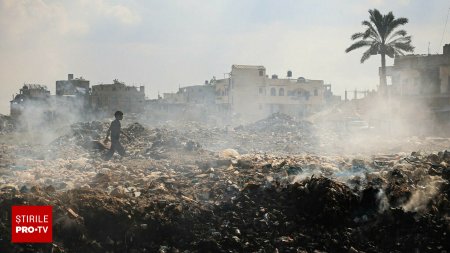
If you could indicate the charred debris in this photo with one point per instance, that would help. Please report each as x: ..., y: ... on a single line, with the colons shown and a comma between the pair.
x: 260, y: 187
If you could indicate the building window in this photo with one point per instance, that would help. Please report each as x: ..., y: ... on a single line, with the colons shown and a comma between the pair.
x: 281, y: 92
x: 260, y: 90
x: 273, y: 92
x: 261, y: 72
x: 316, y: 92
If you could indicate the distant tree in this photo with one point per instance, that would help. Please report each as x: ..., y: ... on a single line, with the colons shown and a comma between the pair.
x: 381, y: 39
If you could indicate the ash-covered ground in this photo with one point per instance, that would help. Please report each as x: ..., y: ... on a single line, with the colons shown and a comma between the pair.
x: 276, y: 185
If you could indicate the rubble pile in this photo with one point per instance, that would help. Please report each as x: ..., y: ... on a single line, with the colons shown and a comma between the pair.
x: 82, y: 134
x: 246, y: 203
x: 279, y: 123
x: 282, y: 134
x: 175, y: 194
x: 277, y: 134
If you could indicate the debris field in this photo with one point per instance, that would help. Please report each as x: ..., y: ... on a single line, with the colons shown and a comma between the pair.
x: 262, y: 187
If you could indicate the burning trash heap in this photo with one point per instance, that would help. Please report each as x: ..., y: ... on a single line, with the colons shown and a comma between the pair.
x: 184, y: 190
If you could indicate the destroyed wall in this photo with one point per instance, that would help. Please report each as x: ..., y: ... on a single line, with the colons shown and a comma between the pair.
x: 422, y: 82
x: 198, y: 94
x: 74, y: 92
x: 194, y: 95
x: 222, y: 90
x: 28, y: 95
x: 77, y: 86
x: 117, y: 96
x: 420, y: 74
x: 188, y: 103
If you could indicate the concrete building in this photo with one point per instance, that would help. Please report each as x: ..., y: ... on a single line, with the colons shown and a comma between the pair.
x: 195, y: 94
x: 73, y: 92
x: 251, y: 94
x: 422, y: 84
x: 117, y: 96
x: 189, y: 102
x: 29, y: 95
x: 72, y: 86
x: 222, y: 94
x: 414, y: 75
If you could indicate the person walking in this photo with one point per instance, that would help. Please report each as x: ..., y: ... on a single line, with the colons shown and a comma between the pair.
x: 114, y: 131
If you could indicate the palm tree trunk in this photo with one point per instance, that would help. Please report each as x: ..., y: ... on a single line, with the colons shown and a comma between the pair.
x: 383, y: 81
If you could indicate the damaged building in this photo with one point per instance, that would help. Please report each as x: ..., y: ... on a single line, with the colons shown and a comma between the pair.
x: 195, y: 94
x: 29, y: 93
x: 74, y: 91
x: 74, y: 96
x: 189, y: 97
x: 423, y: 79
x: 35, y: 100
x: 414, y: 75
x: 117, y: 96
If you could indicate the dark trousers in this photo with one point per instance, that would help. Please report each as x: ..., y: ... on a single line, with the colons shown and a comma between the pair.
x: 115, y: 146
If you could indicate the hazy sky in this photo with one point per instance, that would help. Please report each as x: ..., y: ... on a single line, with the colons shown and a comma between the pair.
x: 164, y: 44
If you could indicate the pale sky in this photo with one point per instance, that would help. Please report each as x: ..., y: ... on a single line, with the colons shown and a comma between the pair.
x: 165, y: 44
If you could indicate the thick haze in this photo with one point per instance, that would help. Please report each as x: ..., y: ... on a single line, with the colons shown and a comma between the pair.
x: 164, y: 44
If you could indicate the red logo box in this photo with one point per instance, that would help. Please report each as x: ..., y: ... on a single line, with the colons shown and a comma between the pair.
x: 31, y: 224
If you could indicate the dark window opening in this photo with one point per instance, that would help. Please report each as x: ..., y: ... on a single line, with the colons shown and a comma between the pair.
x: 273, y: 92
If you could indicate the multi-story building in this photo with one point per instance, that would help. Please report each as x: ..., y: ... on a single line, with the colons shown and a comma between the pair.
x: 72, y: 86
x: 422, y: 84
x: 73, y: 92
x: 414, y: 75
x: 249, y: 92
x: 117, y: 96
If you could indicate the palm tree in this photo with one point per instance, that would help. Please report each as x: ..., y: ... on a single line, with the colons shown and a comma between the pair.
x: 380, y: 37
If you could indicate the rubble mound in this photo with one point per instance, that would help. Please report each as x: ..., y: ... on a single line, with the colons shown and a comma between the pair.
x: 83, y: 134
x: 171, y: 195
x: 136, y: 130
x: 279, y: 123
x: 236, y: 208
x: 324, y: 200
